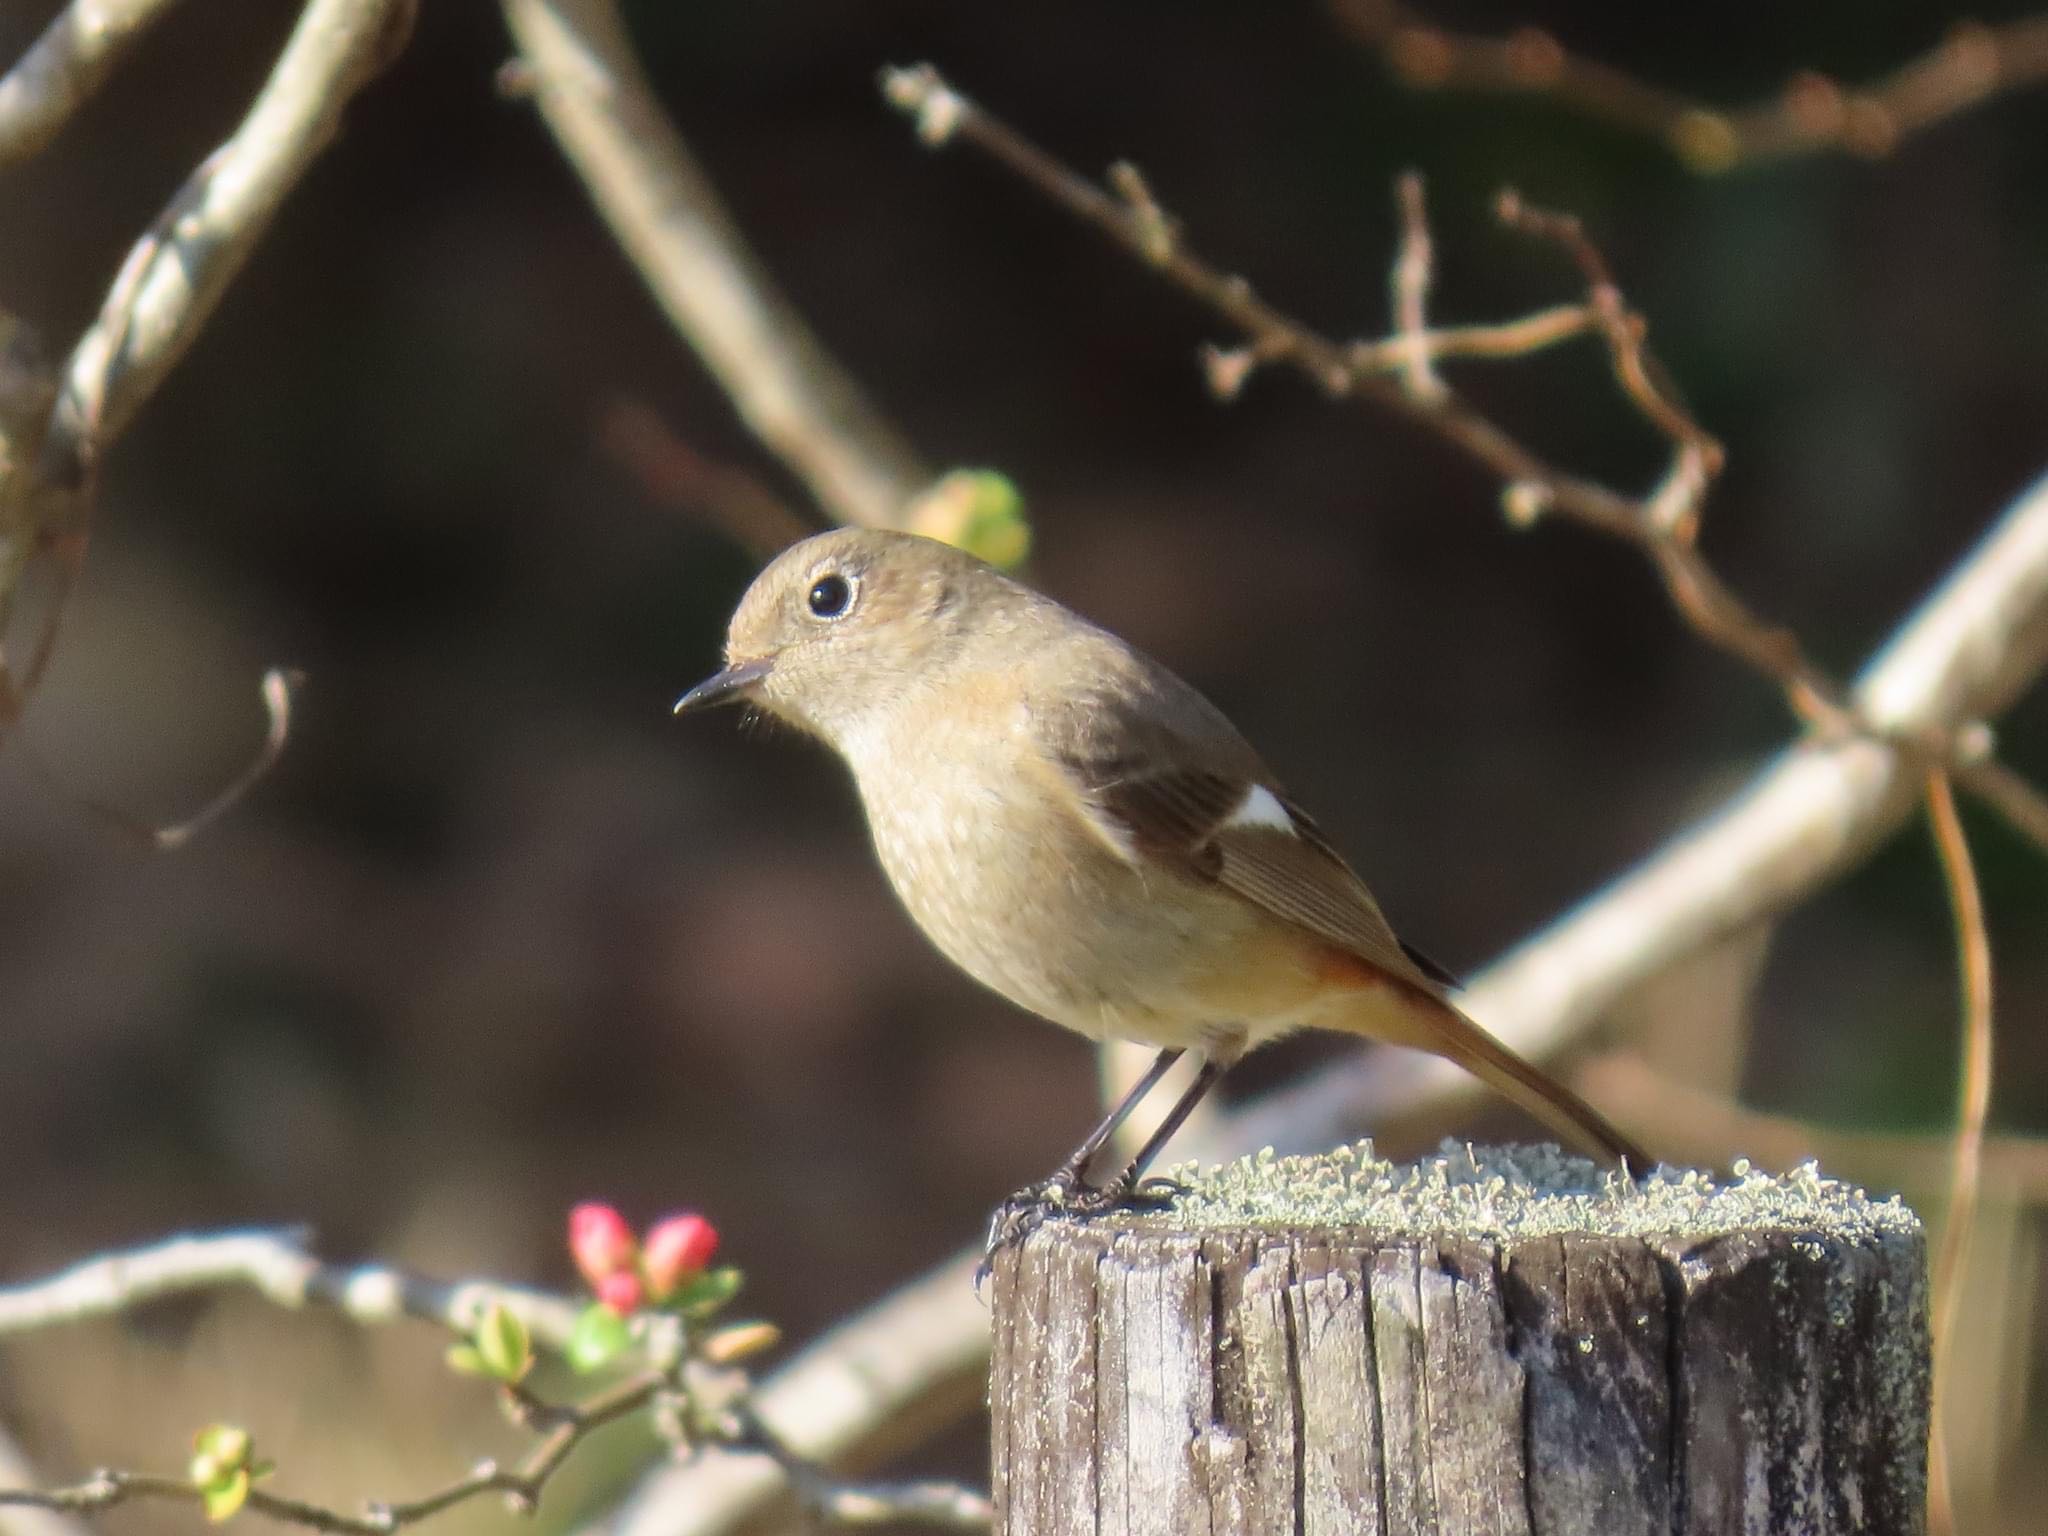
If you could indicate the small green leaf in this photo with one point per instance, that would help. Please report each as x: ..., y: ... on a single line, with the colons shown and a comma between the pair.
x: 464, y: 1360
x: 599, y: 1335
x: 224, y: 1498
x: 227, y: 1444
x: 708, y: 1292
x: 502, y: 1345
x: 980, y: 510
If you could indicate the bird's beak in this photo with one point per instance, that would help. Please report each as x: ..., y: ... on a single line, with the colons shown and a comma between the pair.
x: 727, y: 687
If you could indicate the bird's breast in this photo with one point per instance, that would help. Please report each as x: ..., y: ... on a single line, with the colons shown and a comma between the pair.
x: 1008, y: 883
x: 997, y: 867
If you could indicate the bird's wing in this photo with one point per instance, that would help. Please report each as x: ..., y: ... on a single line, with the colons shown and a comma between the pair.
x: 1199, y: 802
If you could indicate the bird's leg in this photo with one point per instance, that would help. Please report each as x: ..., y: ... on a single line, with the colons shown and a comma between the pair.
x: 1072, y: 1174
x: 1129, y: 1187
x: 1024, y: 1211
x: 1065, y: 1194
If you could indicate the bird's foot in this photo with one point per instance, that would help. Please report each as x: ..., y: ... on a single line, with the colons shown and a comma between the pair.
x: 1065, y: 1195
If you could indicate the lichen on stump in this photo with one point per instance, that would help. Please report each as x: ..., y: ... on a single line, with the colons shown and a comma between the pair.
x: 1486, y: 1342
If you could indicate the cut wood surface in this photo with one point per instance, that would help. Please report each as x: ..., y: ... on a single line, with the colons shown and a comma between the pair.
x: 1489, y: 1341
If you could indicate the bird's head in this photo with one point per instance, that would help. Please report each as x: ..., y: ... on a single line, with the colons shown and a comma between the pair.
x: 844, y: 625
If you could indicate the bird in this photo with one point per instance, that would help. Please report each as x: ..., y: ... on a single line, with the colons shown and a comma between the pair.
x: 1084, y: 833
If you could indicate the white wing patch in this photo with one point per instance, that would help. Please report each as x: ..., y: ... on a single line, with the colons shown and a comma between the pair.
x: 1260, y: 807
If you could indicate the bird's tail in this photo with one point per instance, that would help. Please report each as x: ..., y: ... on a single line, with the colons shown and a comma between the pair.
x: 1434, y: 1025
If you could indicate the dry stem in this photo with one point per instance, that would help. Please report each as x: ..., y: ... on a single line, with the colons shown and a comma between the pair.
x: 161, y: 297
x: 63, y: 67
x: 1809, y: 114
x: 1973, y: 944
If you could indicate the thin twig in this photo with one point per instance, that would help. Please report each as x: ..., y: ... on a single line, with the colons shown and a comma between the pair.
x: 1507, y: 338
x: 522, y: 1486
x: 1414, y: 269
x: 1674, y: 508
x: 64, y: 67
x: 277, y: 1266
x: 2024, y: 808
x: 1809, y: 114
x: 1661, y: 524
x: 579, y: 65
x: 674, y: 474
x: 277, y: 687
x: 1973, y: 952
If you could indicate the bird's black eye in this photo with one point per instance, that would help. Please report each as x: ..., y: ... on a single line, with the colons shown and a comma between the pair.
x: 830, y: 596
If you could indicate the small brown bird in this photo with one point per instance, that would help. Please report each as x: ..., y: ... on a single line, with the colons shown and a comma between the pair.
x: 1080, y: 830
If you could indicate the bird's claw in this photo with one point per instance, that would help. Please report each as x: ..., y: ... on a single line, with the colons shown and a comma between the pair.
x: 1064, y: 1196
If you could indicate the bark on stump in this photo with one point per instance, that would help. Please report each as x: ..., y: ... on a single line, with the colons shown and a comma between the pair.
x: 1488, y: 1342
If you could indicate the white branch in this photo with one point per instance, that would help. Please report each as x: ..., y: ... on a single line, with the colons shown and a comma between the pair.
x: 63, y: 67
x: 177, y: 272
x: 16, y: 1471
x: 278, y: 1268
x: 665, y: 213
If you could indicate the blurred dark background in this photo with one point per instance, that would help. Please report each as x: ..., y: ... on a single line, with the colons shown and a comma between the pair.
x: 498, y: 934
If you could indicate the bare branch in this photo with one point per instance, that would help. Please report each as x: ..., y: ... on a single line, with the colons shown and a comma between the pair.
x: 1811, y: 113
x: 176, y: 274
x: 521, y: 1486
x: 277, y: 1267
x: 1661, y: 524
x: 580, y: 66
x: 1700, y: 457
x: 943, y: 114
x: 17, y: 1471
x: 63, y: 67
x: 163, y: 294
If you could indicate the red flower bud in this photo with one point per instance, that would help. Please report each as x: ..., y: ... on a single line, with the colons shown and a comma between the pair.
x: 621, y: 1291
x: 600, y: 1241
x: 677, y: 1250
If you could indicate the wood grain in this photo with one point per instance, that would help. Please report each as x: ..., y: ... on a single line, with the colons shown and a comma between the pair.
x: 1384, y: 1381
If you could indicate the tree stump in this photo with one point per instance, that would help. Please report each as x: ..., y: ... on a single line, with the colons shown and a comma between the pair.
x: 1483, y: 1343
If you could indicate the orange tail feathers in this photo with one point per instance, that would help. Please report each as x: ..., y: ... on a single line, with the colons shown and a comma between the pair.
x: 1431, y: 1024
